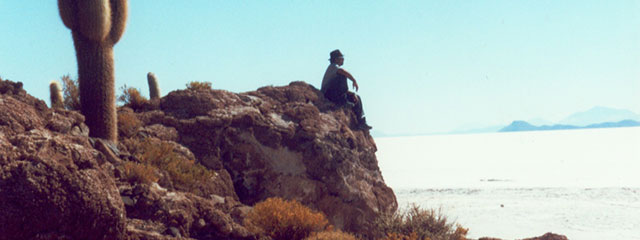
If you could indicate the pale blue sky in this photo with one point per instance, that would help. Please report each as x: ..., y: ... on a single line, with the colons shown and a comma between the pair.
x: 422, y: 66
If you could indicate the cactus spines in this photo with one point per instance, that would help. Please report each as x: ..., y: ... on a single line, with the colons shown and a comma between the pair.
x: 154, y: 90
x: 56, y: 95
x: 94, y: 17
x: 96, y: 25
x: 119, y: 20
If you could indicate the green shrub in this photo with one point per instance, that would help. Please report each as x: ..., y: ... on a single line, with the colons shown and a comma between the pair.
x: 196, y: 86
x: 285, y: 220
x: 421, y: 224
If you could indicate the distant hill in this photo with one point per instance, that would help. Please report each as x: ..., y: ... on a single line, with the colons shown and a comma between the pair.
x: 517, y: 126
x: 598, y: 115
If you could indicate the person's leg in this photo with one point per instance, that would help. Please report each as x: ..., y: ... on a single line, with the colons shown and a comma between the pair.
x: 358, y: 107
x: 358, y: 110
x: 336, y: 89
x: 357, y: 104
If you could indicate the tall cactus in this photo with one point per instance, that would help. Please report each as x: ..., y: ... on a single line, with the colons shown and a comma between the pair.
x: 96, y: 25
x: 56, y: 95
x: 154, y: 90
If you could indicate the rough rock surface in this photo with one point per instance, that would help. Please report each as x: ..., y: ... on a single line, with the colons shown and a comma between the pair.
x: 287, y: 142
x: 549, y: 236
x: 546, y: 236
x: 183, y: 214
x: 53, y: 184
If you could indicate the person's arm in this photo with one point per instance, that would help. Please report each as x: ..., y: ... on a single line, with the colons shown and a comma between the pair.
x: 349, y: 76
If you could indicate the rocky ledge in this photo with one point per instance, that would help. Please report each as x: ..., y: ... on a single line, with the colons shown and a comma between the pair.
x: 282, y: 142
x: 289, y: 142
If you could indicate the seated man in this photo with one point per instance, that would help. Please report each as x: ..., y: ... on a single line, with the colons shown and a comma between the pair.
x: 334, y: 87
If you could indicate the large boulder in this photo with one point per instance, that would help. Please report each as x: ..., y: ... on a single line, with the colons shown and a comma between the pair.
x: 549, y: 236
x: 53, y: 183
x: 285, y: 142
x: 546, y: 236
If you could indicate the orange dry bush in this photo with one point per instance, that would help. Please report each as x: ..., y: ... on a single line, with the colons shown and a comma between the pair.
x: 186, y: 174
x: 128, y: 123
x: 331, y: 235
x: 398, y: 236
x: 132, y: 98
x: 199, y: 86
x: 141, y: 173
x: 282, y: 219
x: 71, y: 93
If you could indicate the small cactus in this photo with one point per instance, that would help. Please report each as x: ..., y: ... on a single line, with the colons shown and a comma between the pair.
x: 56, y: 95
x: 154, y: 90
x: 96, y: 26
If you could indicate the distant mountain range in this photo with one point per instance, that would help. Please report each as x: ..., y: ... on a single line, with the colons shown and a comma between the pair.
x: 517, y: 126
x: 596, y: 117
x: 599, y: 115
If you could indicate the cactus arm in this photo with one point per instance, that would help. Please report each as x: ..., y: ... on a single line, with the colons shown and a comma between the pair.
x: 154, y: 90
x: 119, y: 10
x: 66, y: 9
x: 94, y: 19
x: 56, y: 95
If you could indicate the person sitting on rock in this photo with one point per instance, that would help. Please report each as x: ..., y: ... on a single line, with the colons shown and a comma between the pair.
x: 334, y: 87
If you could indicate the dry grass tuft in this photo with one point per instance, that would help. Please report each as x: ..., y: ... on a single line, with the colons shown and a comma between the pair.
x: 185, y: 174
x: 140, y: 173
x: 132, y: 98
x: 71, y: 93
x: 197, y: 86
x: 128, y: 123
x: 419, y: 224
x: 282, y: 219
x: 331, y: 235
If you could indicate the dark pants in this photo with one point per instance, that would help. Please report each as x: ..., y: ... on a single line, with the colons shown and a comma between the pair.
x: 338, y: 92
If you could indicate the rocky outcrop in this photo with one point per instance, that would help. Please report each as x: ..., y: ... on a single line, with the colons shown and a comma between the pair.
x: 57, y: 183
x: 549, y: 236
x: 282, y: 141
x: 289, y: 142
x: 546, y: 236
x: 53, y: 183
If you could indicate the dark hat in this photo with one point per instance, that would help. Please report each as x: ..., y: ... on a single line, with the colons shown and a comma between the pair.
x: 336, y: 54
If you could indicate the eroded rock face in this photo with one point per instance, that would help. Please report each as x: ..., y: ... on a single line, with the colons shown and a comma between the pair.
x: 283, y: 142
x: 53, y: 184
